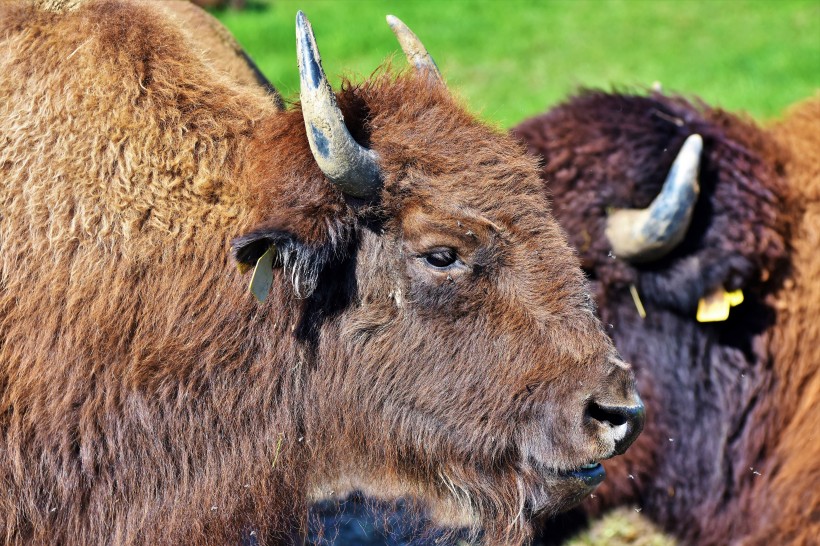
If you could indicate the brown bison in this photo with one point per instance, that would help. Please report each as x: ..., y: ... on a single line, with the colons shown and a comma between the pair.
x: 731, y: 452
x: 219, y: 47
x: 424, y: 327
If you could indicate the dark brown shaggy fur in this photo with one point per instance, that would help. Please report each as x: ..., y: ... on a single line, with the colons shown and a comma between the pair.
x: 146, y: 398
x: 731, y: 449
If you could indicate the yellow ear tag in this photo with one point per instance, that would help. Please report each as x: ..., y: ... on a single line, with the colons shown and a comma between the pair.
x: 735, y: 298
x: 715, y: 307
x: 262, y: 275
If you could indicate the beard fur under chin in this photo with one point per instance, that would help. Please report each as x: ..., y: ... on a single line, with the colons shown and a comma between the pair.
x: 493, y: 509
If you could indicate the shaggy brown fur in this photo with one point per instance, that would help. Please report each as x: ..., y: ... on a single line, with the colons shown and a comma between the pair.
x: 731, y: 449
x: 146, y: 398
x: 203, y: 31
x: 219, y: 47
x: 792, y: 498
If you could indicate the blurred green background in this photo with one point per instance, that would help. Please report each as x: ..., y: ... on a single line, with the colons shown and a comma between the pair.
x: 512, y: 59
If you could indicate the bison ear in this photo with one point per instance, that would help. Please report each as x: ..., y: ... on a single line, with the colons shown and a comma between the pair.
x: 248, y: 248
x: 302, y: 262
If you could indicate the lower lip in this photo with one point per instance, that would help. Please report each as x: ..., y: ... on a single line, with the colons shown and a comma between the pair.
x: 590, y: 476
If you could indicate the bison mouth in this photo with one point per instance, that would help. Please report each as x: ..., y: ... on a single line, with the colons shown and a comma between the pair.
x: 561, y: 489
x: 591, y: 474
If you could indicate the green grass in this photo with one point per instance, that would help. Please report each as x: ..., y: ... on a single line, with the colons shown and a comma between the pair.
x: 510, y: 59
x: 623, y: 527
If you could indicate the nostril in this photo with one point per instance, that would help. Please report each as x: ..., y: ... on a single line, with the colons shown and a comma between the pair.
x: 615, y: 416
x: 621, y: 423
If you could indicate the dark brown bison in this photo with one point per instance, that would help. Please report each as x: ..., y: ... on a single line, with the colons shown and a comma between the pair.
x: 731, y: 452
x: 425, y: 328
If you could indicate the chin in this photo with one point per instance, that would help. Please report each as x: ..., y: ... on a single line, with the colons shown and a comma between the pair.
x: 560, y: 490
x: 503, y: 514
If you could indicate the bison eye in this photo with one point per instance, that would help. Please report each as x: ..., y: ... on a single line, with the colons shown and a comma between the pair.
x: 441, y: 258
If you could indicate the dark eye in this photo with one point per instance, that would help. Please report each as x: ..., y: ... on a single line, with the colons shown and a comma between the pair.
x: 441, y: 258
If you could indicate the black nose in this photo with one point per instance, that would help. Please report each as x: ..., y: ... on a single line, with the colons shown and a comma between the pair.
x: 623, y: 423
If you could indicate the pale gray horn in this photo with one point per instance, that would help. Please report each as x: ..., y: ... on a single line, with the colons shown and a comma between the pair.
x: 353, y: 168
x: 643, y: 235
x: 413, y: 49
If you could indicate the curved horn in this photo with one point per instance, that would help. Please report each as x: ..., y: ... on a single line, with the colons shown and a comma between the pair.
x: 353, y: 168
x: 413, y: 49
x: 641, y: 235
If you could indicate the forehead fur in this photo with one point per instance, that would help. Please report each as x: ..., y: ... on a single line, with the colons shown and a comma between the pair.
x: 429, y: 146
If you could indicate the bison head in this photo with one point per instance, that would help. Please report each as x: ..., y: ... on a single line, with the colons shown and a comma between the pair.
x: 675, y: 230
x: 668, y: 203
x: 445, y: 344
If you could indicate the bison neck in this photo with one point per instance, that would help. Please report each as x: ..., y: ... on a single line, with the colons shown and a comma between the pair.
x: 139, y: 381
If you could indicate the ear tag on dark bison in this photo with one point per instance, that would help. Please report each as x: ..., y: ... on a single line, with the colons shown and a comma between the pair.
x: 715, y: 307
x: 263, y: 275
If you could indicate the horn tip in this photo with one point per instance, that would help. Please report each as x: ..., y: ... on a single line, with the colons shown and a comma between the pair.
x: 397, y: 25
x: 307, y: 54
x: 692, y: 147
x: 696, y: 141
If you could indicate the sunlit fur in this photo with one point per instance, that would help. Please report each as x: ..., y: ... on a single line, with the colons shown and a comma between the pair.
x: 218, y: 47
x: 731, y: 448
x: 146, y: 397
